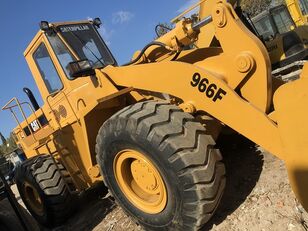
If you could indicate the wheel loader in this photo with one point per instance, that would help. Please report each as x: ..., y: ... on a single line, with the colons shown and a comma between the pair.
x: 286, y: 42
x: 284, y: 31
x: 147, y: 129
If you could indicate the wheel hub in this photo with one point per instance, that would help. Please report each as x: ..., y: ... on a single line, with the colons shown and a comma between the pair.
x: 140, y: 181
x: 33, y: 198
x: 144, y: 176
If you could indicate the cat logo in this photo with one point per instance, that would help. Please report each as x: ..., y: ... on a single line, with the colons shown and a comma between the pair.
x: 35, y: 125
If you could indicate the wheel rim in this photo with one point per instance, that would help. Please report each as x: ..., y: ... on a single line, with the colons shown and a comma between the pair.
x: 140, y: 181
x: 33, y: 199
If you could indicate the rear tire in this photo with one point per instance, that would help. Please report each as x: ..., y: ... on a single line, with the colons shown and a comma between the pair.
x: 182, y: 152
x: 44, y: 191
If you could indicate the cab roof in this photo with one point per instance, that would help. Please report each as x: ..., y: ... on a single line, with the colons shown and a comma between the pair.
x: 53, y: 25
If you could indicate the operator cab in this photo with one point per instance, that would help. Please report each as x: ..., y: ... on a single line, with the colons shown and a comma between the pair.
x: 57, y: 56
x: 84, y: 41
x: 61, y: 52
x: 264, y: 26
x: 282, y: 19
x: 283, y: 39
x: 275, y: 21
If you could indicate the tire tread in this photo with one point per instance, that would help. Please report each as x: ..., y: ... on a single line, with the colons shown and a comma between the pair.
x: 191, y: 153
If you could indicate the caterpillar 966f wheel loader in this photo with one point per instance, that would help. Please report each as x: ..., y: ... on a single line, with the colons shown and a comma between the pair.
x: 146, y: 128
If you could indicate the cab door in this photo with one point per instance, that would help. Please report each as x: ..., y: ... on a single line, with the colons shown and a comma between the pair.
x: 48, y: 64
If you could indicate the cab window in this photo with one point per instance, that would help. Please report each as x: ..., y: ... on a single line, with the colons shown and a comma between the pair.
x: 304, y: 6
x: 282, y: 19
x: 63, y: 54
x: 87, y: 44
x: 47, y: 69
x: 264, y: 27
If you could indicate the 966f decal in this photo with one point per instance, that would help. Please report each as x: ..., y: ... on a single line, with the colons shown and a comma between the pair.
x: 210, y: 89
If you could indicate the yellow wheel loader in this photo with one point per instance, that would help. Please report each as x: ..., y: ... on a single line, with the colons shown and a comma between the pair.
x: 147, y: 129
x: 285, y: 39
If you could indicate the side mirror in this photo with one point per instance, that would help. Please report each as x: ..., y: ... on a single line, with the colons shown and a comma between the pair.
x: 80, y: 68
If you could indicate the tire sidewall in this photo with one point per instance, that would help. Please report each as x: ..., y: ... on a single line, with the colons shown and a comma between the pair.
x: 24, y: 175
x: 126, y: 140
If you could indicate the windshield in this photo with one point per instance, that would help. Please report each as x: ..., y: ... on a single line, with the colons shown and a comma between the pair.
x: 264, y: 27
x: 87, y: 43
x: 282, y: 19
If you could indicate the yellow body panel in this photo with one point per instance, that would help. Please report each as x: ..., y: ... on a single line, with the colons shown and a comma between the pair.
x: 296, y: 13
x: 275, y: 49
x: 291, y: 102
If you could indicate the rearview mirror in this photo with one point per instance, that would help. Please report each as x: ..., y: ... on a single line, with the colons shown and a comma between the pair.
x: 80, y: 68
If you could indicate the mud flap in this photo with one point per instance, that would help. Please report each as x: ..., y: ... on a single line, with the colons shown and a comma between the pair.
x: 291, y: 106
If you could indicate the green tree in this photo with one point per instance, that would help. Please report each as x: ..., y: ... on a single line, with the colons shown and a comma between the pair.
x: 8, y: 145
x: 255, y: 7
x: 2, y: 139
x: 278, y: 2
x: 3, y: 145
x: 11, y: 142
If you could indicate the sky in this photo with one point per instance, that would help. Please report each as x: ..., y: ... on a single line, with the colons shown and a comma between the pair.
x: 127, y: 26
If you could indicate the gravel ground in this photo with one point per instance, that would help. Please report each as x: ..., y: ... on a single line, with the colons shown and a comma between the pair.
x: 257, y: 197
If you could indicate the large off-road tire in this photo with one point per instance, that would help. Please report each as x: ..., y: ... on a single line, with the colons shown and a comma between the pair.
x: 44, y: 191
x: 161, y: 166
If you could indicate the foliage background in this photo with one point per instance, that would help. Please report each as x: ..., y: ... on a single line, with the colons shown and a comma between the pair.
x: 8, y: 144
x: 254, y: 7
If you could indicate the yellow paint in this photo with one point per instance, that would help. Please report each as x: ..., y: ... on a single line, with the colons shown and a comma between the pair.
x: 140, y: 181
x: 296, y: 13
x: 291, y: 102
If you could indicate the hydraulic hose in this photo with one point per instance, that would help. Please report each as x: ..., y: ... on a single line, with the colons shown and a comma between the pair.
x: 144, y: 50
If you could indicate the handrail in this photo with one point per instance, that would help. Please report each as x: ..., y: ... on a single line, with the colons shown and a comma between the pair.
x: 30, y: 107
x: 19, y: 105
x: 7, y: 107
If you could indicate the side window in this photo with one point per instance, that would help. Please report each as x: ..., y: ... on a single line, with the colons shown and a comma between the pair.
x: 62, y: 53
x: 304, y: 6
x: 283, y: 20
x: 47, y: 69
x: 264, y: 27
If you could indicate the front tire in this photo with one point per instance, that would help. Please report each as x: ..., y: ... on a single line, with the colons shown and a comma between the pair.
x: 156, y: 136
x: 44, y: 191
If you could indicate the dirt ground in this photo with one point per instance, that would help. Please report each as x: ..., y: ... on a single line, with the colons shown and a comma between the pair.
x: 257, y: 197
